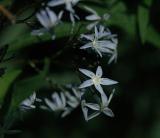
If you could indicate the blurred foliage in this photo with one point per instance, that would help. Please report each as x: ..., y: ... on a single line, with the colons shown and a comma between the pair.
x: 26, y: 62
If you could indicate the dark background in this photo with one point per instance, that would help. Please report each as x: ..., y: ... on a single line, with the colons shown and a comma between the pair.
x: 136, y: 101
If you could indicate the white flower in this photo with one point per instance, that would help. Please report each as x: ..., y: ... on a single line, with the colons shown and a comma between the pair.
x: 48, y: 18
x: 98, y: 108
x: 96, y: 79
x: 74, y: 100
x: 84, y: 109
x: 95, y: 18
x: 97, y: 43
x: 29, y: 102
x: 68, y: 6
x: 58, y: 103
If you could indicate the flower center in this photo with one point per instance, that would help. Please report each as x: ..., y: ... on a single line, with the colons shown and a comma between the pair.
x: 94, y: 43
x: 96, y: 80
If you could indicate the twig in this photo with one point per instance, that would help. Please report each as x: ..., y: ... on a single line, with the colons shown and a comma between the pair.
x: 8, y: 14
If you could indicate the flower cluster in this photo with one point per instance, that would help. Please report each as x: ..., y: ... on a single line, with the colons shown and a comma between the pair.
x: 97, y: 81
x: 98, y: 39
x: 63, y: 102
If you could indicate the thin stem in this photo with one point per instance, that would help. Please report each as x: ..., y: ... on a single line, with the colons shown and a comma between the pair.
x: 8, y: 14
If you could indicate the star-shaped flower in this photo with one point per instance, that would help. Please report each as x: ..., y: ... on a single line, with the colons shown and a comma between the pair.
x: 100, y: 41
x: 98, y: 108
x: 96, y: 79
x: 69, y: 4
x: 48, y: 19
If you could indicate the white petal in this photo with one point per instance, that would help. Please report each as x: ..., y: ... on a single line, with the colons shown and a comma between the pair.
x: 93, y: 106
x: 77, y: 93
x: 106, y: 16
x: 105, y: 50
x: 74, y: 2
x: 70, y: 97
x: 57, y: 99
x: 92, y: 25
x: 107, y: 44
x: 99, y: 88
x: 88, y: 37
x: 55, y: 3
x: 84, y: 110
x: 60, y: 15
x: 39, y: 32
x: 86, y: 83
x: 99, y: 71
x: 69, y: 7
x: 33, y: 97
x: 72, y: 19
x: 110, y: 97
x: 98, y: 51
x: 113, y: 57
x: 66, y: 112
x: 53, y: 17
x: 101, y: 29
x: 104, y: 99
x: 50, y: 104
x: 96, y: 32
x: 88, y: 45
x: 93, y: 115
x: 73, y: 104
x: 42, y: 19
x: 63, y: 99
x: 106, y: 81
x: 92, y: 17
x: 108, y: 112
x: 87, y: 72
x: 115, y: 40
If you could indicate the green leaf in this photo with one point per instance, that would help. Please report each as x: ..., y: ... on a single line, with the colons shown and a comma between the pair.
x: 18, y: 37
x: 6, y: 80
x: 153, y: 36
x: 143, y: 21
x: 147, y: 2
x: 120, y: 7
x: 64, y: 78
x: 6, y: 2
x: 12, y: 33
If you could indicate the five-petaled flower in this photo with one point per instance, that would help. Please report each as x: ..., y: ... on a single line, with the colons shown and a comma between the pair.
x: 96, y: 79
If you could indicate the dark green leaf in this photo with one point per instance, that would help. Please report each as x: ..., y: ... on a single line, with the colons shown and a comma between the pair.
x: 6, y: 80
